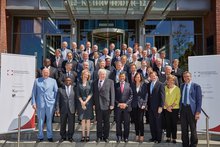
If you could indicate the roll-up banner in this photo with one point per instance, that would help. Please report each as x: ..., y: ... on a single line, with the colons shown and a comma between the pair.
x: 17, y: 78
x: 206, y: 72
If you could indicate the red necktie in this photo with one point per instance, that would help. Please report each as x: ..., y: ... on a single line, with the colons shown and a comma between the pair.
x: 153, y: 59
x: 122, y: 87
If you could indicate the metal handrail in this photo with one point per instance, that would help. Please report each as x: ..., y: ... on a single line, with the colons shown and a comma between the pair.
x: 19, y: 120
x: 207, y: 127
x: 24, y: 108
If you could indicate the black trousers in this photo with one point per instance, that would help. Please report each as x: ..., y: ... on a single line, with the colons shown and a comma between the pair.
x: 64, y: 118
x: 155, y: 125
x: 171, y: 123
x: 103, y: 125
x: 122, y: 116
x: 138, y: 115
x: 188, y: 120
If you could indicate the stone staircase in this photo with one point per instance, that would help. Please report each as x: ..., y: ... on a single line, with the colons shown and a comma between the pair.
x: 28, y: 139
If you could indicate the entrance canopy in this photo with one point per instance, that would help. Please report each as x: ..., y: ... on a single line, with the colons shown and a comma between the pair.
x: 109, y: 9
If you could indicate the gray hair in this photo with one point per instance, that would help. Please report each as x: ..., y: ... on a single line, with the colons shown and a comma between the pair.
x: 101, y: 71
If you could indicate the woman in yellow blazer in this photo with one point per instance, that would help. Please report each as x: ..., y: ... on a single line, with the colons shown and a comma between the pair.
x: 171, y: 107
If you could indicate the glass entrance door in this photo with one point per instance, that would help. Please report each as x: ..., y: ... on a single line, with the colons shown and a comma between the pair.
x: 104, y: 36
x: 163, y: 44
x: 53, y: 42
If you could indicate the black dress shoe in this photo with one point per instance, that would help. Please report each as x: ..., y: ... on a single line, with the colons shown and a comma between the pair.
x: 70, y: 139
x: 87, y: 139
x: 50, y: 139
x: 174, y: 141
x: 156, y: 141
x: 168, y: 140
x: 39, y: 140
x: 62, y: 140
x: 118, y: 139
x: 151, y: 140
x: 83, y: 139
x: 106, y: 140
x: 98, y: 139
x: 126, y: 140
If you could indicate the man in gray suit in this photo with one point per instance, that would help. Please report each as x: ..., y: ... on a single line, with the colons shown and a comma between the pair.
x: 104, y: 100
x: 66, y: 107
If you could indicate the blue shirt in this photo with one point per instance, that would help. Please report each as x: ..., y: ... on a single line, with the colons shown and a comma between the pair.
x: 183, y: 93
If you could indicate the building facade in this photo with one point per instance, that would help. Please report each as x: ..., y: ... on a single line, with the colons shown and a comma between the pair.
x: 180, y: 27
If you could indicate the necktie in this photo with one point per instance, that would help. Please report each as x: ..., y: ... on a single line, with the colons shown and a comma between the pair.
x: 185, y: 95
x: 68, y: 91
x: 100, y: 85
x: 122, y: 87
x: 151, y: 87
x: 68, y: 74
x: 57, y: 61
x: 153, y: 59
x: 132, y: 78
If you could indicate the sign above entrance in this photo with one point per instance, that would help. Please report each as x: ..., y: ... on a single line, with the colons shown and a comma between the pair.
x: 112, y: 3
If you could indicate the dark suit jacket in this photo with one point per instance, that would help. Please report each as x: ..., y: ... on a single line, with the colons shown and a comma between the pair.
x: 195, y: 97
x: 97, y: 65
x: 156, y: 99
x: 64, y: 102
x: 105, y: 97
x: 163, y: 79
x: 74, y: 65
x: 54, y: 64
x: 63, y: 75
x: 139, y: 97
x: 91, y: 66
x: 114, y: 59
x: 125, y: 97
x: 158, y: 71
x: 166, y: 62
x: 113, y: 76
x: 141, y: 72
x: 179, y: 75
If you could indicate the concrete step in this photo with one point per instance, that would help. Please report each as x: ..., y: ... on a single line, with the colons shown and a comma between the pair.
x: 77, y: 135
x: 101, y: 144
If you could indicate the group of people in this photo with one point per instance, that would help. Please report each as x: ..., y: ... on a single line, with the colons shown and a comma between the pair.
x: 132, y: 83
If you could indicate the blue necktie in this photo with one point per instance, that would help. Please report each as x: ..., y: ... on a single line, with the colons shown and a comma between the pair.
x: 185, y: 95
x: 151, y: 87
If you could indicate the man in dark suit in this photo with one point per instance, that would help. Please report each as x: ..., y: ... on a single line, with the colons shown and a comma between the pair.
x: 104, y: 100
x: 116, y: 57
x: 56, y: 61
x: 156, y: 97
x: 101, y: 66
x: 163, y: 77
x: 158, y: 68
x: 178, y: 72
x: 190, y: 109
x: 85, y: 57
x: 70, y: 59
x: 165, y: 62
x: 131, y: 74
x: 123, y: 49
x: 53, y: 71
x: 75, y: 52
x: 123, y: 98
x: 95, y: 60
x: 67, y: 73
x: 114, y: 75
x: 143, y: 69
x: 66, y: 107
